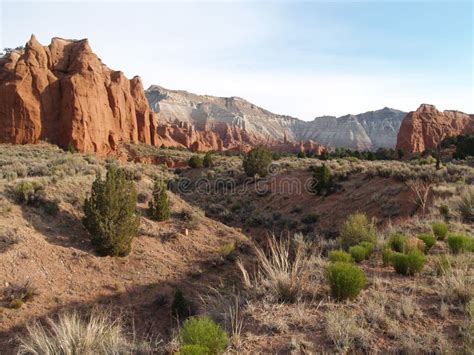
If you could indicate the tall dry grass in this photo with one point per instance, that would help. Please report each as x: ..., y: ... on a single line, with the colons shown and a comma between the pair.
x: 71, y: 334
x: 283, y: 271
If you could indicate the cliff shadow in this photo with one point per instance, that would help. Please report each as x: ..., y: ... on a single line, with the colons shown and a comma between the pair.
x: 59, y: 227
x: 144, y: 308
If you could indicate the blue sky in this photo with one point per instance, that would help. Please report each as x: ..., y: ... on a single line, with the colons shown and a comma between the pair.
x: 299, y: 58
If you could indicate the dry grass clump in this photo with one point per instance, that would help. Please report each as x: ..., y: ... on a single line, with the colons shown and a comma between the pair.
x: 456, y: 276
x: 344, y: 330
x: 227, y: 310
x: 283, y: 272
x: 465, y: 206
x: 72, y: 334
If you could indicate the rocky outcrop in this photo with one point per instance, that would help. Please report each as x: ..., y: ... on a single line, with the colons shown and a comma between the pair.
x: 426, y: 127
x: 369, y: 130
x: 64, y: 94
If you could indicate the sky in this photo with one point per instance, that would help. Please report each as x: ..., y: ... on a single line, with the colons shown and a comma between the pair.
x: 304, y: 59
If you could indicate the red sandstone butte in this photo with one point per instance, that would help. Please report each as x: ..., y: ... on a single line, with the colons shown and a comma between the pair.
x: 426, y: 127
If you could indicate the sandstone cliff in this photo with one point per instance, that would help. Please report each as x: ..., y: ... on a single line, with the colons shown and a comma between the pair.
x: 370, y: 130
x: 64, y: 94
x: 426, y: 127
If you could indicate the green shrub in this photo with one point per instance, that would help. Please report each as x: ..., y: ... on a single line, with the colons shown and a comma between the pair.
x: 368, y: 246
x: 459, y: 243
x: 322, y: 180
x: 159, y: 205
x: 204, y: 332
x: 340, y: 255
x: 387, y: 256
x: 29, y: 193
x: 109, y: 213
x: 256, y: 161
x: 440, y: 229
x: 345, y: 280
x: 208, y: 161
x: 397, y: 242
x: 357, y: 229
x: 196, y: 162
x: 358, y: 252
x: 410, y: 263
x: 428, y: 239
x: 193, y: 349
x: 180, y: 308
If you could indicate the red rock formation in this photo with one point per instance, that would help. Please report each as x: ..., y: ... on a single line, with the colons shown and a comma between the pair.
x: 426, y: 127
x: 64, y: 94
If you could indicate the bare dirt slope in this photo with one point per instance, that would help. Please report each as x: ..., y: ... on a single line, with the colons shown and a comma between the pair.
x: 51, y: 255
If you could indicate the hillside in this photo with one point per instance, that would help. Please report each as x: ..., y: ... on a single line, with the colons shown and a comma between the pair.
x: 49, y: 268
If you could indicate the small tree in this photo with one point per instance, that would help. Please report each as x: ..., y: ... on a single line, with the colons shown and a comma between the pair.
x: 195, y: 162
x: 109, y: 213
x: 159, y: 205
x: 208, y: 162
x: 256, y: 162
x: 322, y: 180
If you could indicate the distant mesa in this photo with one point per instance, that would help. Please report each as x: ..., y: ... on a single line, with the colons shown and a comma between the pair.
x: 367, y: 131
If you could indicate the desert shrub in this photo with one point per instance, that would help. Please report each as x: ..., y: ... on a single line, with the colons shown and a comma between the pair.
x: 322, y: 180
x: 310, y: 218
x: 71, y: 334
x: 358, y: 252
x: 29, y: 193
x: 109, y: 213
x: 356, y: 229
x: 413, y: 243
x: 196, y: 162
x: 204, y: 332
x: 387, y: 256
x: 440, y: 229
x: 410, y: 263
x: 208, y: 161
x: 256, y: 161
x: 193, y: 349
x: 159, y: 205
x: 368, y: 246
x: 459, y: 243
x: 397, y: 242
x: 428, y: 239
x: 340, y: 255
x: 180, y: 307
x: 465, y: 206
x: 444, y: 211
x: 345, y: 280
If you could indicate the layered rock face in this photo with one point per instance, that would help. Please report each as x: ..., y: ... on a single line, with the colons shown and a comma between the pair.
x: 64, y: 94
x: 426, y: 127
x: 209, y: 112
x: 366, y: 131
